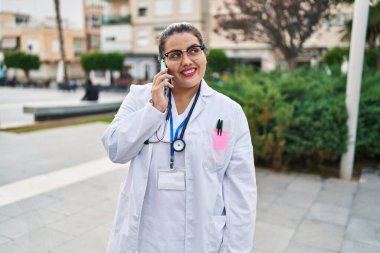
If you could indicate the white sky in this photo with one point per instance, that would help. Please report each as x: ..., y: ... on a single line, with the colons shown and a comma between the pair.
x: 71, y: 10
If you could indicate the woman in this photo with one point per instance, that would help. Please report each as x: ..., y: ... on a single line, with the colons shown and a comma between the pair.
x: 191, y: 185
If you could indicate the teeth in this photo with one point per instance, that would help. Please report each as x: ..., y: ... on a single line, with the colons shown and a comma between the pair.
x: 189, y: 71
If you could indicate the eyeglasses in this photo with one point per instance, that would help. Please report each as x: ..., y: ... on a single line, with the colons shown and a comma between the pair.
x: 192, y: 52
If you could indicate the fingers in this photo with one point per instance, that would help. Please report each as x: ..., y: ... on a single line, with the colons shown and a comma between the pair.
x: 160, y: 78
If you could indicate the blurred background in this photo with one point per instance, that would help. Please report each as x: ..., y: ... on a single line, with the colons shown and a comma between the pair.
x: 66, y: 66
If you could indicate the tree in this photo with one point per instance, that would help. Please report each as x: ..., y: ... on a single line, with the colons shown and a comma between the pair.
x: 61, y: 40
x: 101, y: 61
x: 21, y: 60
x: 217, y: 60
x: 284, y: 24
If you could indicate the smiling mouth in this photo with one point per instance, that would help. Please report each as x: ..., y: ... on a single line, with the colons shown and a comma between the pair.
x: 189, y: 72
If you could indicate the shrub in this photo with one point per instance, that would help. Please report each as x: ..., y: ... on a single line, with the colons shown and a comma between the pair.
x: 217, y: 60
x: 368, y: 131
x: 335, y: 56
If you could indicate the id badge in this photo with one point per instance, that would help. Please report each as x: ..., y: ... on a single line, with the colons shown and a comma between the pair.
x: 171, y: 180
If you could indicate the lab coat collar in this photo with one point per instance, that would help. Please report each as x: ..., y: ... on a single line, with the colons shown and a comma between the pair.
x: 206, y: 90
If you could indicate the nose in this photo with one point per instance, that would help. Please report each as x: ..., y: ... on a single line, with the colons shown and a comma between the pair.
x: 186, y: 59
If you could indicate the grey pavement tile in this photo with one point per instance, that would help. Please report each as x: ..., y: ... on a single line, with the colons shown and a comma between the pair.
x: 27, y: 205
x: 83, y: 221
x: 271, y: 238
x: 40, y: 241
x: 365, y: 231
x: 282, y: 215
x: 370, y: 181
x: 264, y: 200
x: 95, y: 241
x: 343, y: 199
x: 306, y: 183
x: 275, y: 182
x: 4, y: 218
x: 66, y: 207
x: 296, y: 199
x: 320, y: 235
x: 256, y: 250
x: 4, y: 240
x: 358, y: 247
x: 262, y: 173
x: 80, y: 192
x: 367, y: 196
x: 329, y: 213
x: 340, y: 185
x: 302, y: 248
x: 27, y: 223
x: 366, y: 211
x: 48, y: 150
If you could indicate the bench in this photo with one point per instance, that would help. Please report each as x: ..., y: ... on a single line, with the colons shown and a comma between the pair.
x: 58, y: 111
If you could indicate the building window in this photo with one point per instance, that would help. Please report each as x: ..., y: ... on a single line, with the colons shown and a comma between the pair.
x: 163, y: 7
x: 142, y: 11
x: 142, y: 38
x: 21, y: 20
x: 94, y: 41
x: 78, y: 47
x: 32, y: 46
x: 94, y: 21
x: 110, y: 38
x: 55, y: 46
x: 186, y: 6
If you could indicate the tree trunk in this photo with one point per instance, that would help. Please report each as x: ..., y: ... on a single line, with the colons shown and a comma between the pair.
x: 292, y: 63
x: 27, y: 76
x: 61, y: 40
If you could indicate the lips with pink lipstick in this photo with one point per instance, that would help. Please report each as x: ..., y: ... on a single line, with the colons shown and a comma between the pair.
x: 189, y: 72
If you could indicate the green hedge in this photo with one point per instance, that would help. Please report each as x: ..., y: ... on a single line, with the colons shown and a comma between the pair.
x: 299, y: 119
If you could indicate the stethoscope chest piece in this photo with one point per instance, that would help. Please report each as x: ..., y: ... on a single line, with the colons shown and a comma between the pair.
x: 179, y: 145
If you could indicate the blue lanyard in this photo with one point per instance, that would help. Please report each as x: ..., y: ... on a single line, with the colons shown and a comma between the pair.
x: 173, y: 138
x: 182, y: 125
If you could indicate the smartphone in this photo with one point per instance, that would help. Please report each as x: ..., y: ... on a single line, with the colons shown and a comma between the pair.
x: 163, y: 66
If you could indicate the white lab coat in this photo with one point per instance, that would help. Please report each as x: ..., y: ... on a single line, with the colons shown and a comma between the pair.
x: 221, y: 192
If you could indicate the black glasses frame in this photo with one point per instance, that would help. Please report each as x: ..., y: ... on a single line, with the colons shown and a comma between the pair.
x: 202, y: 47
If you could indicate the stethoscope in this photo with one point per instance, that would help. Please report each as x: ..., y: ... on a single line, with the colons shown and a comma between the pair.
x: 177, y: 143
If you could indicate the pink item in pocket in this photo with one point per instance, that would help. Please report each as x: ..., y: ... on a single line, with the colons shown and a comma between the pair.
x: 220, y: 142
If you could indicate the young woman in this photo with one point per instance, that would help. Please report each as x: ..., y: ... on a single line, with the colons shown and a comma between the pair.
x: 191, y: 183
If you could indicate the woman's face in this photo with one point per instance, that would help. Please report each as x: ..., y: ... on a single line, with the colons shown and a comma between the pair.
x: 188, y: 71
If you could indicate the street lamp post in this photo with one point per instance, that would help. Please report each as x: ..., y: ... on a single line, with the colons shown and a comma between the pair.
x: 354, y: 78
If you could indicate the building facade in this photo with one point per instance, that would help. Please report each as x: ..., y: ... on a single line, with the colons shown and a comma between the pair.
x: 132, y: 27
x: 149, y: 17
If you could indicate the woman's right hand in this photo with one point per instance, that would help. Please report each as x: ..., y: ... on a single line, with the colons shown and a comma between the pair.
x: 159, y: 100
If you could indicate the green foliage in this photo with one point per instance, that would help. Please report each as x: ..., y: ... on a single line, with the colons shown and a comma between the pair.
x: 300, y: 119
x: 318, y: 132
x: 217, y: 60
x: 335, y: 56
x: 21, y: 60
x: 102, y: 61
x: 368, y: 132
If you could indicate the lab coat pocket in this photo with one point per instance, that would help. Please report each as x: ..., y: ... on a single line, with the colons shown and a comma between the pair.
x: 216, y: 146
x: 216, y: 231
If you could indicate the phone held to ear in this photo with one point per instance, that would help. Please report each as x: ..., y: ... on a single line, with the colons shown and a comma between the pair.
x: 163, y: 66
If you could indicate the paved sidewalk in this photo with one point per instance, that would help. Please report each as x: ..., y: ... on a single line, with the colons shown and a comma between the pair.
x: 296, y: 212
